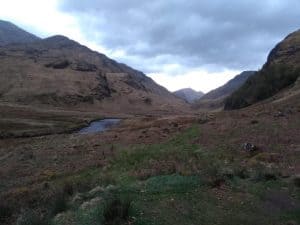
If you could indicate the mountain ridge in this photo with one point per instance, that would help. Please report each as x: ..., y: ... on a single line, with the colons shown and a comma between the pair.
x: 10, y: 33
x: 58, y: 71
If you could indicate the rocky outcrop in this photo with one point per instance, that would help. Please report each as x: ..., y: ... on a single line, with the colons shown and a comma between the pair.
x: 103, y: 89
x: 58, y: 64
x: 84, y: 66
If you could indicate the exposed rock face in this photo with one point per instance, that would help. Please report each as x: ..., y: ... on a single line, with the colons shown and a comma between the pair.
x: 58, y: 64
x: 102, y: 90
x: 10, y: 33
x: 78, y: 66
x: 84, y: 66
x: 280, y: 71
x: 57, y: 71
x: 188, y: 94
x: 215, y: 99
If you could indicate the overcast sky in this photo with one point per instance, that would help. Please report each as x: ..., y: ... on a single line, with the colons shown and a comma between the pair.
x: 179, y: 43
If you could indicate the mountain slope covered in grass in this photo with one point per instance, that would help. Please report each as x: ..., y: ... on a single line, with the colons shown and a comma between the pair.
x: 59, y: 72
x: 215, y: 98
x: 280, y: 71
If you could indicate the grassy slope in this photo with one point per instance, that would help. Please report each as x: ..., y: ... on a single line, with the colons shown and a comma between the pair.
x: 280, y: 71
x: 179, y: 182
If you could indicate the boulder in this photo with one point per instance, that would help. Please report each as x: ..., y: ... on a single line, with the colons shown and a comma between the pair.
x: 96, y: 190
x: 248, y: 147
x: 111, y: 187
x: 91, y: 204
x: 65, y: 218
x: 78, y: 198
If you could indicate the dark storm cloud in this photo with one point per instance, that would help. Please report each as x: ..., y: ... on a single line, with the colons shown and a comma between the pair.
x: 233, y: 34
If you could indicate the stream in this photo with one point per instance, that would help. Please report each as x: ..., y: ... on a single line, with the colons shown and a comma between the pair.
x: 99, y: 126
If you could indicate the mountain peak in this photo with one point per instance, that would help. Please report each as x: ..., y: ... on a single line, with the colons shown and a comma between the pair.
x: 6, y: 23
x: 57, y: 37
x: 58, y: 71
x: 10, y: 33
x: 188, y: 94
x: 60, y: 41
x: 285, y: 49
x: 187, y: 89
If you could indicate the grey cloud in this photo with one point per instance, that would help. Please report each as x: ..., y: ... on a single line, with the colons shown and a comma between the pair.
x: 232, y: 34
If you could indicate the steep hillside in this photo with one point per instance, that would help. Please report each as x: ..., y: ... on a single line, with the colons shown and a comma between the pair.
x: 60, y: 72
x: 215, y: 98
x: 229, y: 87
x: 188, y: 94
x: 10, y: 33
x: 280, y: 71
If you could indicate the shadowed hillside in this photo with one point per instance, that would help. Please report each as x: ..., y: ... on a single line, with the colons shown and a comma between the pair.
x: 215, y: 99
x: 281, y: 70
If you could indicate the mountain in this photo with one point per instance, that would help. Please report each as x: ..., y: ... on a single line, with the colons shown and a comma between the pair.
x: 188, y: 94
x: 10, y: 33
x: 280, y: 71
x: 229, y: 87
x: 59, y: 72
x: 215, y: 98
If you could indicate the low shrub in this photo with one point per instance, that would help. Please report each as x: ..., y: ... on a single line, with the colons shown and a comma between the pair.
x: 5, y: 212
x: 31, y: 217
x: 59, y: 204
x: 261, y: 173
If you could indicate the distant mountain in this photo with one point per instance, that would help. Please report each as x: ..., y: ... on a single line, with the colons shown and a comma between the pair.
x: 281, y: 70
x: 59, y: 72
x: 188, y: 94
x: 10, y: 33
x: 215, y: 98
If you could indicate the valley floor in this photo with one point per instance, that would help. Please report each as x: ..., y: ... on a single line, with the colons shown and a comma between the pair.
x: 151, y: 169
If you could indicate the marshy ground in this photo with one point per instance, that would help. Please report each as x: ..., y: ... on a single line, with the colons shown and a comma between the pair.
x: 157, y: 170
